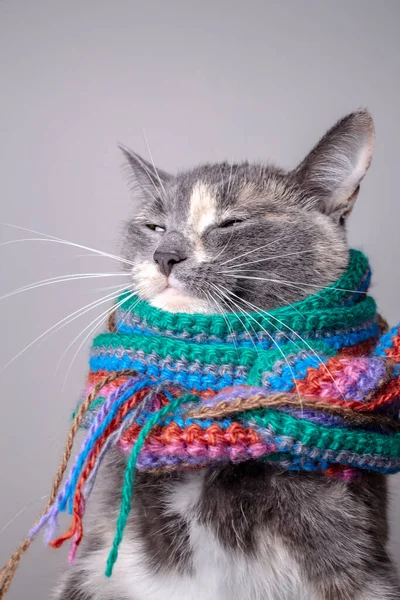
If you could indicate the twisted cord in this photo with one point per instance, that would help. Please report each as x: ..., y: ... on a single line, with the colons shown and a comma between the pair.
x: 242, y: 404
x: 8, y: 571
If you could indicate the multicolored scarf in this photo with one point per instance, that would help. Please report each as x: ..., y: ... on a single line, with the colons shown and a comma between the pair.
x: 311, y: 386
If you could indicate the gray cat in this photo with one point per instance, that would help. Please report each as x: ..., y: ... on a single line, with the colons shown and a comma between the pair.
x: 199, y: 243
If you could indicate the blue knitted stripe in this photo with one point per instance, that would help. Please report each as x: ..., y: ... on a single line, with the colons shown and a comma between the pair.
x: 387, y: 341
x: 310, y: 459
x: 196, y: 381
x: 200, y: 377
x: 337, y: 341
x: 282, y: 378
x: 169, y: 364
x: 323, y: 459
x: 363, y: 287
x: 302, y: 463
x: 242, y: 339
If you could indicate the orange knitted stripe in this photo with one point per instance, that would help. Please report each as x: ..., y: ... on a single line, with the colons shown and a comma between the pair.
x: 211, y: 436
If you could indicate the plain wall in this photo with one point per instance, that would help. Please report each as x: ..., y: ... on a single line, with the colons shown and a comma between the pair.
x: 206, y: 80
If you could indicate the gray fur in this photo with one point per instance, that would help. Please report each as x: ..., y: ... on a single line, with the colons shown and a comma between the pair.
x: 330, y: 537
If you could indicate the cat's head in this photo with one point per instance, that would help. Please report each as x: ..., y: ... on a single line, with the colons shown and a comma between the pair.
x: 230, y: 237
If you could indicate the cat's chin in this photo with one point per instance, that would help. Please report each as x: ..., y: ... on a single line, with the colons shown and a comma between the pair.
x: 173, y: 300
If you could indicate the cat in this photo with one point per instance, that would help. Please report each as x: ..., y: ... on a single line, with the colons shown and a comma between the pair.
x: 199, y: 244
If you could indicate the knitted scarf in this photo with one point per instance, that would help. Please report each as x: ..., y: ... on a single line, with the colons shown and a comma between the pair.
x: 310, y: 386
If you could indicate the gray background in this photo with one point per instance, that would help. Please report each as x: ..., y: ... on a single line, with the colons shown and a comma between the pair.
x: 206, y: 80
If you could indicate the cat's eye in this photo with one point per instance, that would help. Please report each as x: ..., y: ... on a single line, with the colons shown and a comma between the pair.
x: 230, y: 223
x: 154, y: 227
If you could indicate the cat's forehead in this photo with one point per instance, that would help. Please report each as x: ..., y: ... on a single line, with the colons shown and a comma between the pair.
x: 213, y: 192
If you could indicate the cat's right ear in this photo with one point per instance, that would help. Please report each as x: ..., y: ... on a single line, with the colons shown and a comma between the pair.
x: 147, y: 181
x: 331, y: 174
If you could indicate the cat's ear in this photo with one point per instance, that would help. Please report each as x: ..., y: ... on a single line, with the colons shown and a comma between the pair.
x: 145, y: 178
x: 331, y: 174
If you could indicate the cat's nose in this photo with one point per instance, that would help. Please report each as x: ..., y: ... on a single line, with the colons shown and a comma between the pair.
x: 166, y: 260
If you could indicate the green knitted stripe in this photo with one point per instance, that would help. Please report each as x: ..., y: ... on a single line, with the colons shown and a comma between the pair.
x: 99, y: 400
x: 317, y: 312
x: 324, y: 438
x: 314, y: 435
x: 219, y: 354
x: 280, y: 319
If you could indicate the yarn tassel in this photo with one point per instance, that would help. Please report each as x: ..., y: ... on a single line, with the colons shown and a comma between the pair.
x: 129, y: 478
x: 109, y: 418
x: 8, y: 571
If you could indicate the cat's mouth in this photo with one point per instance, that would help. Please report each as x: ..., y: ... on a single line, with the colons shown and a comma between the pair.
x: 176, y: 298
x: 175, y: 286
x: 168, y: 293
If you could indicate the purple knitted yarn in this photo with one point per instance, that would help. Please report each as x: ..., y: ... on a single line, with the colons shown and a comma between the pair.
x: 367, y: 380
x: 155, y: 456
x: 59, y: 505
x: 114, y: 438
x: 98, y: 420
x: 315, y: 416
x: 359, y: 378
x: 232, y: 393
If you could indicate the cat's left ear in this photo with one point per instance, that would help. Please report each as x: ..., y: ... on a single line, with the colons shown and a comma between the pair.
x: 147, y: 180
x: 331, y: 174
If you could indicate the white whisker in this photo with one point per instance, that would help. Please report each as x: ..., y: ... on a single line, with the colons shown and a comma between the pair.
x: 251, y: 251
x: 113, y: 307
x: 234, y: 177
x: 65, y: 321
x: 252, y: 262
x: 61, y: 240
x: 97, y: 322
x: 271, y: 338
x: 291, y: 305
x: 295, y: 284
x: 20, y: 512
x: 87, y: 255
x: 265, y: 313
x: 60, y: 279
x: 260, y: 312
x: 230, y: 178
x: 152, y: 161
x: 223, y: 297
x: 223, y: 247
x: 87, y: 308
x: 103, y: 289
x: 224, y: 317
x: 66, y: 243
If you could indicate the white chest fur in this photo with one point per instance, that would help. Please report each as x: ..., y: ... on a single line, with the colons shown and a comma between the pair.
x: 217, y: 573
